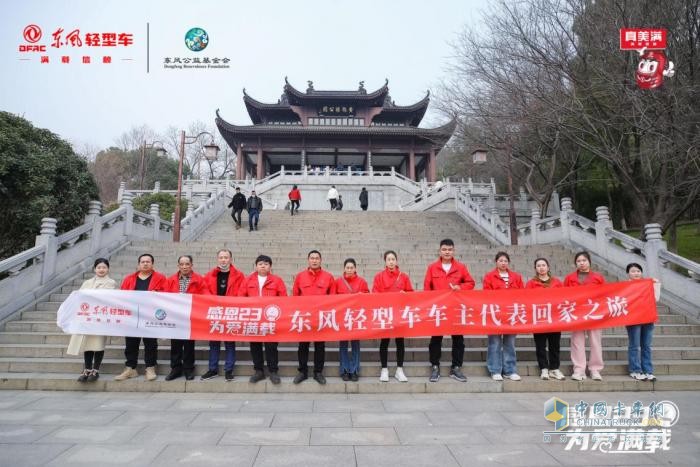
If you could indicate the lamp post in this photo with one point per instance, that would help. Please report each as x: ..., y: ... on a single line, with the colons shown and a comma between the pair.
x: 160, y: 151
x: 479, y: 157
x: 211, y: 151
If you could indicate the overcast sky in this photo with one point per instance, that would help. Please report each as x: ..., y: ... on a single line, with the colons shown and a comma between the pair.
x: 333, y: 43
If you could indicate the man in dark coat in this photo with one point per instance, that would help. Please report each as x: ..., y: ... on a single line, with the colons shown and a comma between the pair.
x: 238, y: 203
x: 255, y: 207
x: 364, y: 202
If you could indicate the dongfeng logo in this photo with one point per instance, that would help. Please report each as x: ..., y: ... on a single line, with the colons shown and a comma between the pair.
x: 196, y: 39
x: 160, y: 314
x: 32, y: 33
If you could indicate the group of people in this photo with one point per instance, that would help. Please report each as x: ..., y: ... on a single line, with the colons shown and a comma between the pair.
x: 253, y: 204
x: 446, y: 273
x: 333, y: 197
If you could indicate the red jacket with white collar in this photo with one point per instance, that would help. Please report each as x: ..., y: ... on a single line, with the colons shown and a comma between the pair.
x: 272, y: 287
x: 308, y: 282
x: 158, y: 282
x: 197, y: 284
x: 391, y: 281
x: 493, y: 281
x: 357, y: 285
x: 437, y: 279
x: 535, y: 283
x: 235, y: 278
x: 593, y: 278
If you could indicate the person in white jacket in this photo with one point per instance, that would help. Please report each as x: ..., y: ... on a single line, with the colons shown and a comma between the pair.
x: 333, y: 197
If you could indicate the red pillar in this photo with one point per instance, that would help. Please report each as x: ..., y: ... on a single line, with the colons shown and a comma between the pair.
x: 412, y: 165
x: 239, y: 162
x: 432, y: 167
x: 260, y: 174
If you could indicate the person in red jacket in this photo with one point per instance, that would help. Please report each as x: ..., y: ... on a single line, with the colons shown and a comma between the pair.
x: 263, y: 284
x: 584, y: 276
x: 350, y: 283
x: 391, y: 279
x: 312, y: 281
x: 223, y: 280
x: 447, y: 274
x: 185, y: 280
x: 294, y: 198
x: 549, y: 364
x: 144, y: 279
x: 500, y: 357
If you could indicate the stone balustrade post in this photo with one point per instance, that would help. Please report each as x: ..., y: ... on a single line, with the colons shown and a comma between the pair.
x: 156, y: 187
x: 93, y: 217
x: 534, y: 227
x: 120, y: 193
x: 128, y: 215
x: 188, y: 190
x: 172, y: 218
x: 653, y: 245
x: 155, y: 212
x: 602, y: 222
x: 47, y: 239
x: 494, y: 217
x: 349, y: 171
x: 282, y: 172
x: 566, y: 207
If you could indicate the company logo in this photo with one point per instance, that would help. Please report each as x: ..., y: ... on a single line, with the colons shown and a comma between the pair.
x: 160, y: 314
x: 32, y: 33
x: 196, y: 39
x: 272, y: 312
x: 84, y: 306
x: 557, y: 411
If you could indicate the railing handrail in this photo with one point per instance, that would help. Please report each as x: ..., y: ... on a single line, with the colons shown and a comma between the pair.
x: 685, y: 263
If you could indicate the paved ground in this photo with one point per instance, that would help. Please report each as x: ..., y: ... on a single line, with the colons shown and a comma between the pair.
x: 75, y: 428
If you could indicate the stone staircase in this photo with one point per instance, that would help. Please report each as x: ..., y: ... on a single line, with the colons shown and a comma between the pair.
x: 32, y: 348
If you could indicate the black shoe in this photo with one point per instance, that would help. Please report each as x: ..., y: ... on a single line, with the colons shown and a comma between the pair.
x: 228, y: 375
x: 189, y: 375
x: 345, y: 376
x: 210, y: 374
x: 320, y: 378
x: 174, y: 374
x: 300, y: 377
x: 435, y: 374
x: 258, y: 376
x: 456, y: 373
x: 250, y: 229
x: 93, y: 376
x: 274, y: 377
x: 354, y: 377
x: 84, y: 376
x: 256, y: 226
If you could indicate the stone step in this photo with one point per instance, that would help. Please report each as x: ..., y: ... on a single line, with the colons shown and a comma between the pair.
x: 289, y: 368
x: 476, y: 384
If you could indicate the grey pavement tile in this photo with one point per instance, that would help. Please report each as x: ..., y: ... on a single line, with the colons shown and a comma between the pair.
x: 65, y: 403
x: 381, y: 419
x: 576, y: 456
x: 305, y: 456
x: 232, y: 419
x: 492, y: 418
x: 405, y: 456
x: 58, y: 417
x: 440, y: 435
x: 512, y: 454
x: 348, y: 406
x: 201, y: 436
x: 679, y: 454
x: 167, y: 418
x: 266, y: 436
x: 353, y: 436
x: 531, y: 418
x: 481, y: 405
x: 208, y: 405
x: 381, y: 396
x: 516, y: 435
x: 109, y: 434
x: 418, y: 405
x: 14, y: 402
x: 26, y: 455
x: 119, y: 403
x: 91, y: 455
x: 23, y: 433
x: 312, y: 420
x: 278, y: 406
x: 242, y: 456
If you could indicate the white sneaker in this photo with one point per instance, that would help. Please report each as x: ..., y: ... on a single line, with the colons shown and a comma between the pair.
x: 595, y: 376
x: 578, y: 377
x: 637, y: 376
x: 544, y: 373
x: 556, y: 374
x: 400, y: 375
x: 514, y: 377
x: 649, y: 377
x: 496, y: 377
x: 384, y: 375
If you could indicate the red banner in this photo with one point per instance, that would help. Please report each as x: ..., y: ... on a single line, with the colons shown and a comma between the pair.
x: 638, y: 39
x: 415, y: 314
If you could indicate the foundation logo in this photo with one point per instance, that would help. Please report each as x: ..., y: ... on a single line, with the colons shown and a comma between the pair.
x: 557, y: 411
x: 196, y: 39
x: 160, y: 314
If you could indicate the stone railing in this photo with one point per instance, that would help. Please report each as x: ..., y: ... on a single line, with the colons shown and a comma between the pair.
x: 482, y: 218
x: 55, y: 259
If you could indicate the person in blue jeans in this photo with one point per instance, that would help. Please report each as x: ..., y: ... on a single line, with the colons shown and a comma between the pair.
x: 350, y: 283
x: 640, y: 337
x: 254, y: 205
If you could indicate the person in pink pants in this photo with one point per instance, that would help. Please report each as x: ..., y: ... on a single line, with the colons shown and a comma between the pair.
x: 584, y: 276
